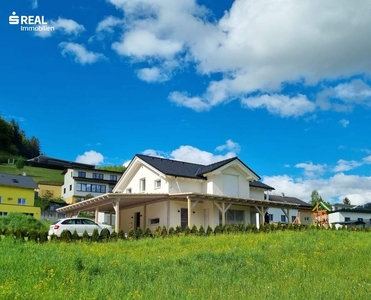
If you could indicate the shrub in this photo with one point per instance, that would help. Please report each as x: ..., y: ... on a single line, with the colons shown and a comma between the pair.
x: 163, y: 231
x: 187, y: 230
x: 171, y: 231
x: 121, y: 235
x: 114, y: 236
x: 194, y: 230
x: 75, y: 236
x: 201, y: 231
x: 66, y: 236
x: 209, y: 230
x: 85, y: 236
x: 217, y: 230
x: 95, y: 235
x: 43, y: 236
x: 105, y: 235
x: 32, y: 235
x: 131, y: 234
x: 20, y: 234
x: 178, y: 230
x: 248, y: 228
x: 139, y: 233
x: 16, y: 221
x: 254, y: 229
x: 147, y: 232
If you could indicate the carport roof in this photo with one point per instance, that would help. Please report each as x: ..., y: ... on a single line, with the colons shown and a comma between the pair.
x: 105, y: 202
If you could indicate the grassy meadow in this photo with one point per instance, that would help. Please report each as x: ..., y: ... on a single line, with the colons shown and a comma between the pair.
x: 38, y: 174
x: 313, y: 264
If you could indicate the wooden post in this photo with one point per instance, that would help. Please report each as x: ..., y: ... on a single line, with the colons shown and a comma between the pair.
x: 189, y: 206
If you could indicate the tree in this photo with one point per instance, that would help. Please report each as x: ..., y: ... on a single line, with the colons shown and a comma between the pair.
x: 20, y: 163
x: 315, y: 197
x: 346, y: 201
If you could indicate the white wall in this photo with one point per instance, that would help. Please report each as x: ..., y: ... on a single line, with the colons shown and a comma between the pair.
x: 257, y: 194
x: 150, y: 176
x: 182, y: 185
x: 341, y: 215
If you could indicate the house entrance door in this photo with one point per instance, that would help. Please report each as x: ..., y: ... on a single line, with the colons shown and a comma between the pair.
x: 136, y: 220
x: 183, y: 218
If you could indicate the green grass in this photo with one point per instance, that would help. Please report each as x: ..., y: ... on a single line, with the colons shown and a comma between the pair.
x: 281, y: 265
x: 38, y: 174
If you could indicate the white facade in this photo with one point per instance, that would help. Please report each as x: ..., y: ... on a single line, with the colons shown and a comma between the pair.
x: 80, y: 182
x: 348, y: 215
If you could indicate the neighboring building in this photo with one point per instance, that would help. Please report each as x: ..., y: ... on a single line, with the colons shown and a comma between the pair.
x: 17, y: 194
x: 49, y: 190
x: 350, y: 217
x: 302, y: 215
x: 79, y: 182
x: 156, y: 192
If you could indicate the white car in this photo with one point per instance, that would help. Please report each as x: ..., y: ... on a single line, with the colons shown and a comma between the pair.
x: 78, y: 224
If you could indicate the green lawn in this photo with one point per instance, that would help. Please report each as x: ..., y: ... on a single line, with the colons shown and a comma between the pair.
x: 314, y: 264
x: 38, y: 174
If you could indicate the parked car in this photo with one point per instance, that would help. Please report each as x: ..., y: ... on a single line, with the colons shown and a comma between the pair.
x: 78, y: 224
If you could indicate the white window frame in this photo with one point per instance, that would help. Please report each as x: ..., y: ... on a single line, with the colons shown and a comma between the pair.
x: 142, y: 184
x: 283, y: 218
x: 22, y: 201
x: 158, y: 184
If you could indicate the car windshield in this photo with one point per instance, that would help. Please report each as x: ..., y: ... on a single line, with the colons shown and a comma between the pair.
x: 56, y: 222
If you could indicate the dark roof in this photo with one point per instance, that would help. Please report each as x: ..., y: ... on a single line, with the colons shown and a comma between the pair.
x: 290, y: 200
x: 45, y: 161
x: 352, y: 210
x: 258, y: 184
x: 19, y: 181
x: 185, y: 169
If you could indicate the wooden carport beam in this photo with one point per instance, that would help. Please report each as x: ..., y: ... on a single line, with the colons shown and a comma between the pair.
x: 261, y: 211
x: 96, y: 214
x: 189, y: 207
x: 223, y: 210
x: 287, y: 214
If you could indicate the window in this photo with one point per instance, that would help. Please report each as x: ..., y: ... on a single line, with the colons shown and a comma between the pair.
x: 3, y: 214
x: 97, y: 176
x: 110, y: 189
x: 21, y: 201
x: 154, y: 221
x: 306, y: 219
x: 270, y: 217
x: 81, y: 174
x: 87, y: 187
x: 293, y: 218
x: 79, y: 199
x: 128, y: 191
x: 142, y: 184
x: 157, y: 184
x: 113, y: 177
x: 346, y: 219
x: 283, y: 219
x: 232, y: 217
x: 64, y: 190
x: 1, y: 199
x: 360, y: 219
x: 70, y: 187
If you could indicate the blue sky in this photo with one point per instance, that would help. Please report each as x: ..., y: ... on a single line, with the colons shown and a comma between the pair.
x: 285, y: 86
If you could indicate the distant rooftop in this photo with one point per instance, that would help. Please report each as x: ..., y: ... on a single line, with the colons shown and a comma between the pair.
x: 19, y: 181
x: 56, y: 163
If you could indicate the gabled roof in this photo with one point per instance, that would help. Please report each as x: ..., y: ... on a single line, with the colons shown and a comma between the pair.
x: 290, y: 200
x: 186, y: 169
x: 261, y: 185
x: 19, y: 181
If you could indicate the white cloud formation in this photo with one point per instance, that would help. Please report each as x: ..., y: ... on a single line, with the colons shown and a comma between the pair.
x: 64, y: 26
x: 346, y: 165
x: 344, y: 123
x: 257, y: 47
x: 311, y: 170
x: 153, y: 74
x: 90, y: 157
x: 333, y: 189
x: 194, y: 155
x: 107, y: 24
x: 80, y: 54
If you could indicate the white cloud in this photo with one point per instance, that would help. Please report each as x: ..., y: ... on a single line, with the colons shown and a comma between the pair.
x: 230, y: 146
x: 346, y: 165
x: 107, y: 24
x: 344, y: 123
x: 333, y: 189
x: 34, y: 4
x: 64, y: 26
x: 281, y: 105
x: 90, y: 157
x: 126, y: 163
x: 256, y: 47
x: 80, y: 54
x: 153, y: 74
x: 311, y: 170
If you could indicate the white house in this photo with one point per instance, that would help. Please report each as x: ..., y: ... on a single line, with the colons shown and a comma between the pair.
x: 155, y: 191
x: 350, y: 217
x: 79, y: 182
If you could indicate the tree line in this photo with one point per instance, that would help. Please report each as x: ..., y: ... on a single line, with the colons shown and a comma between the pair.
x: 14, y: 140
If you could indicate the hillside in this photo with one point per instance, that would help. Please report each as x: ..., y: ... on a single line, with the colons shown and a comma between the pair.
x: 40, y: 175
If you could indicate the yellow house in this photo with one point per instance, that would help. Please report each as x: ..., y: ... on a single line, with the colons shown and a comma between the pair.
x: 46, y: 189
x: 17, y: 194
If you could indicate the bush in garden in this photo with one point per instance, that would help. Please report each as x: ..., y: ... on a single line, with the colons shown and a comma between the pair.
x: 209, y: 230
x: 241, y: 227
x: 85, y: 236
x: 147, y: 232
x: 171, y: 231
x: 229, y: 229
x: 163, y: 231
x: 65, y: 236
x: 105, y: 235
x: 75, y: 236
x: 53, y: 237
x: 131, y: 234
x: 178, y: 230
x: 121, y: 235
x: 217, y: 230
x: 248, y: 228
x: 139, y: 233
x: 254, y: 229
x: 114, y: 236
x: 95, y: 235
x: 32, y: 235
x: 201, y: 231
x: 272, y: 226
x: 279, y: 226
x: 20, y: 234
x: 43, y: 236
x: 333, y: 227
x: 157, y: 232
x: 187, y: 230
x: 20, y: 221
x: 194, y: 230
